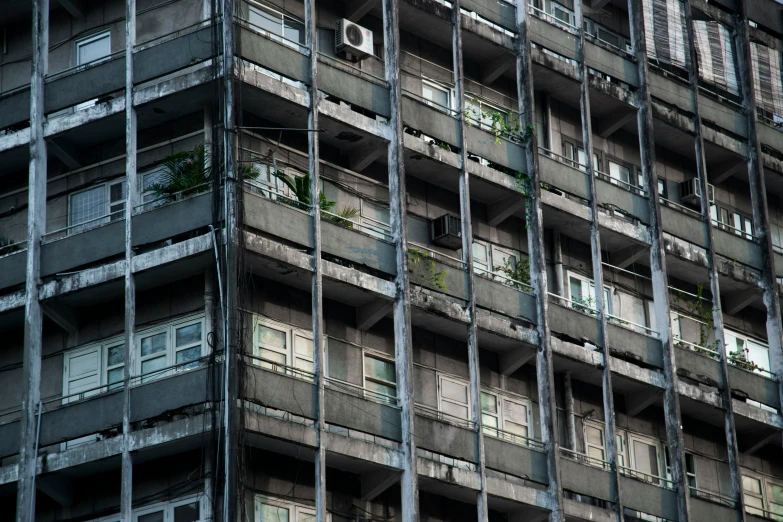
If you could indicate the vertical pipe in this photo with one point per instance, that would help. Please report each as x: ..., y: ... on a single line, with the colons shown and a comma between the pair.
x: 311, y: 40
x: 403, y: 352
x: 569, y: 411
x: 36, y: 224
x: 467, y: 259
x: 671, y: 400
x: 230, y: 415
x: 758, y: 195
x: 131, y: 145
x: 597, y: 261
x: 535, y: 241
x: 717, y: 314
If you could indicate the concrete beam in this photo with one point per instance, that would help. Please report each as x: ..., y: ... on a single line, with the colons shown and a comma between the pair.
x: 64, y: 316
x: 368, y: 315
x: 613, y: 123
x: 736, y: 301
x: 750, y: 444
x: 75, y: 8
x: 362, y: 157
x: 726, y: 170
x: 598, y: 4
x: 495, y: 67
x: 57, y: 488
x: 376, y: 482
x: 356, y: 9
x: 514, y: 359
x: 504, y: 208
x: 65, y: 152
x: 626, y: 256
x: 637, y: 402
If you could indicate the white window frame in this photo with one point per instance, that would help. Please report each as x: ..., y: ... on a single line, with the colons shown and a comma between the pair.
x: 81, y: 43
x: 501, y: 415
x: 588, y: 445
x: 441, y: 399
x: 384, y: 357
x: 437, y: 86
x: 492, y: 252
x: 281, y: 37
x: 748, y: 339
x: 371, y: 225
x: 755, y: 510
x: 660, y: 461
x: 107, y: 215
x: 484, y: 106
x: 171, y: 351
x: 294, y: 508
x: 291, y: 333
x: 166, y: 507
x: 608, y: 300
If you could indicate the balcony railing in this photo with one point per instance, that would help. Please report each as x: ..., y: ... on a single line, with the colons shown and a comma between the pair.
x: 646, y: 477
x: 436, y: 414
x: 584, y: 458
x: 712, y: 497
x: 514, y: 438
x: 362, y: 392
x: 285, y: 369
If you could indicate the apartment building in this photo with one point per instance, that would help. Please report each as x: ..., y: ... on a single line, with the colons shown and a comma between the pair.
x: 541, y: 279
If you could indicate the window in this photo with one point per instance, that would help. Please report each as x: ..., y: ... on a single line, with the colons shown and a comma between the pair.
x: 288, y: 30
x: 375, y: 219
x: 96, y: 206
x: 380, y: 376
x: 176, y: 344
x: 156, y: 176
x: 502, y: 414
x: 493, y: 259
x: 743, y: 349
x: 594, y: 441
x: 775, y: 500
x: 183, y: 510
x: 754, y: 500
x: 437, y: 96
x: 620, y: 173
x: 274, y: 510
x: 283, y: 348
x: 481, y: 114
x: 576, y: 153
x: 644, y: 458
x: 690, y: 468
x: 562, y: 14
x: 662, y: 192
x: 90, y: 50
x: 453, y: 397
x: 582, y: 294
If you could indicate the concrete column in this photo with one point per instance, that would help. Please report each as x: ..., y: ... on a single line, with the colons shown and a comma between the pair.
x: 36, y: 226
x: 467, y: 259
x: 311, y: 40
x: 758, y: 194
x: 597, y: 261
x: 535, y: 242
x: 231, y: 494
x: 569, y: 411
x: 671, y: 400
x: 403, y: 352
x: 717, y: 315
x: 126, y: 493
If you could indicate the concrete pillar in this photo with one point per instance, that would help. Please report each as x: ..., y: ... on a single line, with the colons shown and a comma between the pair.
x: 311, y: 41
x: 403, y: 353
x: 758, y: 194
x: 231, y: 456
x: 467, y: 259
x: 717, y: 314
x: 126, y: 492
x: 36, y: 226
x: 535, y: 242
x: 598, y: 270
x: 671, y: 400
x: 569, y: 411
x: 557, y: 254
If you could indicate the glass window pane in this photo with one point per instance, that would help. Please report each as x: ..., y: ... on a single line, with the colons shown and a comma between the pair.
x: 152, y: 517
x: 751, y: 485
x: 188, y: 354
x: 94, y: 50
x: 479, y: 252
x: 516, y: 429
x: 489, y: 403
x: 152, y: 365
x: 303, y: 346
x: 115, y: 376
x: 188, y: 334
x: 273, y: 356
x: 489, y: 421
x: 117, y: 192
x: 269, y: 513
x: 272, y: 23
x: 594, y: 436
x: 380, y: 369
x: 775, y: 493
x: 87, y: 205
x: 378, y: 387
x: 187, y: 513
x: 618, y: 171
x: 454, y: 391
x: 595, y: 452
x: 116, y: 355
x: 153, y: 344
x: 294, y: 31
x: 455, y: 410
x: 271, y: 337
x: 304, y: 364
x: 758, y: 354
x: 435, y: 94
x: 515, y: 411
x: 304, y: 516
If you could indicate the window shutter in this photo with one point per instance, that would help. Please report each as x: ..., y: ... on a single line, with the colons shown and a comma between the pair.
x: 82, y: 372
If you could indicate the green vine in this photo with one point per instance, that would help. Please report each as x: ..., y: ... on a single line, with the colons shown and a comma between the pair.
x: 517, y: 271
x: 586, y: 305
x: 422, y: 265
x: 502, y: 125
x: 703, y: 313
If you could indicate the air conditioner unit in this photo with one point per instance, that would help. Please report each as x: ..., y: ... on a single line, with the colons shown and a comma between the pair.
x: 354, y: 40
x: 690, y: 192
x: 446, y: 231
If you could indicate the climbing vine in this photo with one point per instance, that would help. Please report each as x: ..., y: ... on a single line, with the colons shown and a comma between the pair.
x: 499, y: 125
x: 697, y: 308
x: 422, y: 265
x: 518, y: 273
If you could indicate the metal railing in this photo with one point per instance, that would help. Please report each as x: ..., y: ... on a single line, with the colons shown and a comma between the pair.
x: 584, y: 458
x: 436, y: 255
x: 551, y: 19
x: 354, y: 224
x: 679, y: 341
x: 763, y: 513
x: 576, y: 305
x: 646, y: 477
x: 514, y: 438
x: 362, y: 392
x: 680, y: 208
x: 84, y: 226
x: 285, y: 369
x: 13, y: 248
x: 622, y: 322
x: 434, y: 413
x: 302, y: 48
x: 83, y: 66
x: 624, y: 184
x: 351, y: 69
x: 562, y: 159
x: 171, y: 198
x: 711, y: 496
x: 508, y: 281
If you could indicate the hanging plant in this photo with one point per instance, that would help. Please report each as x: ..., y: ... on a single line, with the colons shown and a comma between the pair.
x: 423, y: 266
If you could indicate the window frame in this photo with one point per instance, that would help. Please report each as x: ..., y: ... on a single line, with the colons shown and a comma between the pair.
x: 166, y: 507
x: 170, y: 329
x: 577, y: 146
x: 94, y: 37
x: 294, y: 508
x: 438, y: 86
x: 107, y: 216
x: 282, y: 38
x: 372, y: 354
x: 608, y: 289
x: 659, y: 459
x: 291, y: 332
x: 441, y: 399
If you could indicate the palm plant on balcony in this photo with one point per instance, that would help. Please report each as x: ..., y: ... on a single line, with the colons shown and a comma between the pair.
x: 300, y: 188
x: 187, y: 173
x: 7, y: 246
